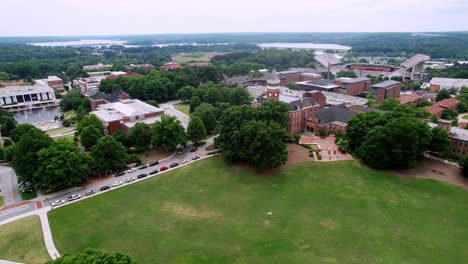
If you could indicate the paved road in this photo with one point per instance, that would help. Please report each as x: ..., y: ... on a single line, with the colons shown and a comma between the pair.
x: 18, y: 210
x: 169, y: 109
x: 9, y: 185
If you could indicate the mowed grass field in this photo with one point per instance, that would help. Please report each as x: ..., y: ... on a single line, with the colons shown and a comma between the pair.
x: 209, y: 212
x: 184, y: 108
x: 22, y: 241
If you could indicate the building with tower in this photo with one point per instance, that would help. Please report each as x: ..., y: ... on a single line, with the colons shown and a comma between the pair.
x: 300, y: 104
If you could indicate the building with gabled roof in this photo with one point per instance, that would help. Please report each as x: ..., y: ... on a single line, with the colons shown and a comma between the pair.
x: 332, y: 119
x: 438, y: 108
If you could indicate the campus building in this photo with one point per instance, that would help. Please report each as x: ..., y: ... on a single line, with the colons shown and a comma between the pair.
x: 438, y: 108
x: 385, y: 90
x: 333, y: 120
x: 55, y: 83
x: 437, y: 83
x: 300, y: 105
x: 96, y: 66
x: 320, y: 85
x: 458, y: 138
x: 170, y: 66
x: 100, y: 98
x: 411, y: 99
x: 354, y: 86
x: 124, y: 114
x: 19, y: 98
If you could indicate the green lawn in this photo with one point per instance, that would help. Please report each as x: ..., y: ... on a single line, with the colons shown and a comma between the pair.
x: 322, y: 213
x: 1, y: 201
x: 196, y: 56
x: 465, y: 117
x: 184, y: 108
x: 22, y: 241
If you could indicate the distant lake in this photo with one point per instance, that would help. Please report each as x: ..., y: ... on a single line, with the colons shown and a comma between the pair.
x: 37, y: 115
x: 320, y: 46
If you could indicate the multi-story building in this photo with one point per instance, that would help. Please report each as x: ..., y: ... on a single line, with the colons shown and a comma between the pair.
x: 55, y: 83
x: 354, y: 86
x: 437, y: 83
x: 19, y: 98
x: 100, y: 98
x: 90, y: 85
x: 97, y: 66
x: 170, y: 66
x: 458, y: 138
x: 320, y: 85
x: 385, y: 90
x: 299, y: 105
x: 124, y: 114
x: 332, y: 119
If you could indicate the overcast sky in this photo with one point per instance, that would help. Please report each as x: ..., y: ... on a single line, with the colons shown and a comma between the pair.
x: 113, y: 17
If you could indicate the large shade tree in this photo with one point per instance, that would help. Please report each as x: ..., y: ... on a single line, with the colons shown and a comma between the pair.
x: 168, y: 133
x: 25, y: 158
x: 61, y: 165
x: 140, y: 136
x: 196, y: 131
x: 109, y: 155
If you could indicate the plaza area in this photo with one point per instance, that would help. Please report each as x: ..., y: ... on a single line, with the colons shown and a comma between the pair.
x: 327, y: 147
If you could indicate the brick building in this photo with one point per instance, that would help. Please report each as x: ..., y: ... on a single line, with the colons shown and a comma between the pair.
x: 354, y: 86
x: 55, y: 83
x: 458, y: 138
x: 299, y: 106
x: 320, y: 85
x: 124, y: 114
x: 298, y: 75
x: 438, y: 108
x: 170, y: 66
x: 385, y: 90
x: 100, y: 98
x: 411, y: 99
x: 332, y: 119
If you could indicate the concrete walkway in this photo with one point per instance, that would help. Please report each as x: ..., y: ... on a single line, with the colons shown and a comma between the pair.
x: 47, y: 234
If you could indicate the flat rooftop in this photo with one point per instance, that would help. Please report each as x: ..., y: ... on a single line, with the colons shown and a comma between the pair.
x: 125, y: 108
x: 353, y: 80
x: 29, y: 89
x: 324, y: 84
x: 386, y: 84
x: 450, y: 82
x: 337, y: 99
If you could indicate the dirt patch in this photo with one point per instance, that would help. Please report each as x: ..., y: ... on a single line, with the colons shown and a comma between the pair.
x: 329, y: 224
x: 154, y: 155
x: 297, y: 154
x: 435, y: 169
x: 186, y: 211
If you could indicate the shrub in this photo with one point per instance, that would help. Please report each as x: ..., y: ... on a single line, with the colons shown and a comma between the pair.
x: 133, y: 158
x: 7, y: 143
x: 66, y: 122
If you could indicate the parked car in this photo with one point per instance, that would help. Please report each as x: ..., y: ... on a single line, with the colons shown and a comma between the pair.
x: 153, y: 172
x: 24, y: 185
x: 132, y: 170
x: 90, y: 192
x: 105, y: 187
x: 185, y: 161
x: 121, y: 173
x: 130, y: 179
x: 58, y: 202
x: 74, y: 197
x: 163, y: 168
x: 174, y: 164
x: 153, y: 163
x: 193, y: 149
x: 117, y: 183
x: 195, y: 157
x: 140, y: 176
x: 143, y: 167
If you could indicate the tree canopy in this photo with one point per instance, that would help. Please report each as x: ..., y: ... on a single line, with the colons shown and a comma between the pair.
x: 168, y: 133
x: 196, y: 131
x: 140, y: 136
x: 109, y: 155
x: 93, y: 256
x: 61, y: 165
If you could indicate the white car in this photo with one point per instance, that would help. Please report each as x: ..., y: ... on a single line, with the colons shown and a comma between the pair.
x: 58, y: 202
x: 74, y: 197
x: 130, y: 179
x: 117, y: 183
x: 132, y: 170
x: 185, y: 161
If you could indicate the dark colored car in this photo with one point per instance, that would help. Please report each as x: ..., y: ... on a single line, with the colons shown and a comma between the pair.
x: 154, y: 172
x: 103, y: 188
x: 154, y: 163
x: 163, y: 168
x: 142, y: 175
x: 175, y: 164
x: 143, y: 167
x: 121, y: 173
x: 193, y: 149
